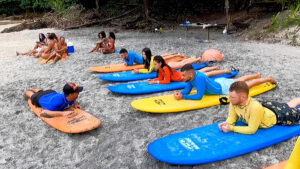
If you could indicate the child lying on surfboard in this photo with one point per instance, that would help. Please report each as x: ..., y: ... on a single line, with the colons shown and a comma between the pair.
x: 130, y: 57
x: 166, y: 73
x: 205, y: 85
x: 257, y: 115
x: 54, y: 103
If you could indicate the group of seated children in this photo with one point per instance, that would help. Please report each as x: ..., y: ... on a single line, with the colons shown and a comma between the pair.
x: 105, y: 45
x: 48, y: 47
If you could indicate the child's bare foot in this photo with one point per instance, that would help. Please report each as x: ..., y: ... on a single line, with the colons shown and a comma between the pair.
x: 271, y: 79
x: 258, y: 75
x: 198, y: 60
x: 216, y: 67
x: 228, y: 71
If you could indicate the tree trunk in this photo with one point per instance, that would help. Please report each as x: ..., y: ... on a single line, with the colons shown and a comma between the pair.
x: 146, y: 7
x: 97, y: 6
x: 227, y: 11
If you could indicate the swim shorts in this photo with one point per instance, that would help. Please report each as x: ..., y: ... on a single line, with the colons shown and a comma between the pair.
x: 225, y: 84
x: 286, y: 116
x: 36, y: 96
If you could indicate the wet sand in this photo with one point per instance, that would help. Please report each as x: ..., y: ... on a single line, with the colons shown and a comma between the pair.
x: 121, y: 140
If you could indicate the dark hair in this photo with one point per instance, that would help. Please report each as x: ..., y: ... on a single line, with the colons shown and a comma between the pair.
x: 112, y: 35
x: 102, y: 33
x: 239, y: 87
x: 52, y: 36
x: 123, y: 51
x: 161, y: 60
x: 43, y: 37
x: 148, y: 57
x: 187, y: 67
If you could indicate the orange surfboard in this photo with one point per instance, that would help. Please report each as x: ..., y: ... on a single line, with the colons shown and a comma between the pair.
x: 42, y: 61
x: 277, y: 166
x: 121, y: 67
x: 78, y: 122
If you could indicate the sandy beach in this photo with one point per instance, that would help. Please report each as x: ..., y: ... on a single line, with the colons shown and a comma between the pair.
x: 121, y: 140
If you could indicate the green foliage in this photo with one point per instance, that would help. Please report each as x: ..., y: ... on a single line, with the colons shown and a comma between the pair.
x: 283, y: 22
x: 294, y: 8
x: 62, y: 5
x: 18, y: 6
x: 274, y: 18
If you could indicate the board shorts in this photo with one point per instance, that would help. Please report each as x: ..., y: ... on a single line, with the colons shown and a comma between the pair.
x: 225, y: 84
x: 36, y: 96
x: 286, y: 116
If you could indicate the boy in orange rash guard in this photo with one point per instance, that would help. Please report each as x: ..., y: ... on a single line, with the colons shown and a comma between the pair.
x: 165, y: 73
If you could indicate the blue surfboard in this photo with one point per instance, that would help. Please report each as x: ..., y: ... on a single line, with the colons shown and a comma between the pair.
x: 143, y: 87
x: 208, y: 144
x: 129, y: 76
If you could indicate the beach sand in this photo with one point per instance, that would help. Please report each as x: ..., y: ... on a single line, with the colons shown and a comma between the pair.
x: 121, y: 140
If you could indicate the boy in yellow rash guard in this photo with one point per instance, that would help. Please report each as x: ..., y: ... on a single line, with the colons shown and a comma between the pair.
x: 255, y: 114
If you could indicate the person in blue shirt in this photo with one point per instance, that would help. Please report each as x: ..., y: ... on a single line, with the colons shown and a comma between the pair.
x: 130, y: 57
x: 205, y: 85
x: 54, y: 103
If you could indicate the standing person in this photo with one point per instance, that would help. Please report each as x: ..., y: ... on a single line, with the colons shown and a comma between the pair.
x: 130, y: 57
x: 54, y: 103
x: 257, y: 115
x: 103, y: 42
x: 205, y: 85
x: 110, y: 47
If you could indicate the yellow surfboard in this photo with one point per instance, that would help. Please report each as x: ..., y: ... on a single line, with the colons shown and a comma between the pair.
x: 167, y: 103
x: 293, y: 162
x: 43, y: 61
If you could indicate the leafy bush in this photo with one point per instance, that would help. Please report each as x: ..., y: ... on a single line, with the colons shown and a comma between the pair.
x: 294, y: 9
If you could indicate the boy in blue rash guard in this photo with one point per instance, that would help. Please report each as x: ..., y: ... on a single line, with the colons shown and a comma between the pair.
x: 54, y: 103
x: 130, y: 57
x: 205, y: 85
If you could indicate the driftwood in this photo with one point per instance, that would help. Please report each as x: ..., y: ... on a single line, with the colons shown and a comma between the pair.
x: 101, y: 21
x: 22, y: 26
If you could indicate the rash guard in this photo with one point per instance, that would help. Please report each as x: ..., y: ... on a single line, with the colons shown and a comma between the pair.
x: 165, y: 76
x: 203, y: 85
x: 253, y: 114
x: 150, y: 67
x: 55, y: 101
x: 133, y: 58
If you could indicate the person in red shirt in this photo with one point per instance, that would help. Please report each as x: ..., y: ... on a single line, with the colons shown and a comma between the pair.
x: 166, y: 74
